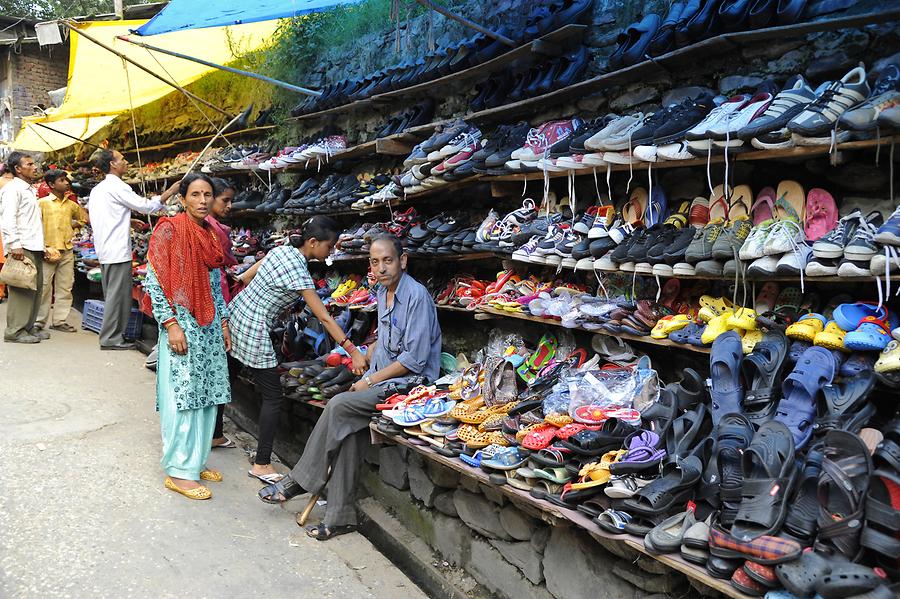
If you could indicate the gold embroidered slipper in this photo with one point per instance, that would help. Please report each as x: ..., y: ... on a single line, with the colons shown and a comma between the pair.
x: 200, y: 492
x: 211, y: 475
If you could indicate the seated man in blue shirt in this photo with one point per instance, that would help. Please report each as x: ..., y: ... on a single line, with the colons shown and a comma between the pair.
x: 408, y: 351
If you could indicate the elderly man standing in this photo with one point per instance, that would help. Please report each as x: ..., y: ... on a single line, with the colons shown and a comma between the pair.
x: 61, y: 217
x: 407, y: 352
x: 110, y: 206
x: 23, y: 237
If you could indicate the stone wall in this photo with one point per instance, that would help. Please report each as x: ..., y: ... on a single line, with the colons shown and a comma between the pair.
x: 34, y: 71
x: 509, y: 553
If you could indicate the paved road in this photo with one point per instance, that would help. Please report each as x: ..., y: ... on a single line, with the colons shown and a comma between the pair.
x: 83, y: 512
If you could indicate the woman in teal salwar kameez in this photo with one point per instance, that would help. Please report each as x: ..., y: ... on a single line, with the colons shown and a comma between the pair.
x: 184, y: 288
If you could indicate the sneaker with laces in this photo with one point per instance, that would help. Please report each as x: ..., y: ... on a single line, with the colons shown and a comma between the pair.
x: 675, y: 252
x: 587, y: 219
x: 547, y: 245
x: 612, y: 130
x: 732, y: 238
x: 698, y: 136
x: 862, y: 246
x: 755, y: 244
x: 784, y: 236
x: 885, y: 94
x: 464, y: 139
x: 540, y: 140
x: 701, y: 246
x: 481, y: 234
x: 854, y: 268
x: 590, y: 129
x: 822, y: 267
x: 763, y: 267
x: 787, y: 104
x: 831, y: 245
x: 795, y: 261
x: 724, y: 133
x: 681, y: 118
x: 508, y: 141
x: 889, y: 232
x: 524, y: 253
x: 563, y: 250
x: 674, y: 151
x: 819, y: 118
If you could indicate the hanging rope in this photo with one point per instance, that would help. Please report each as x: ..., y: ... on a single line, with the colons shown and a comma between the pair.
x: 137, y: 144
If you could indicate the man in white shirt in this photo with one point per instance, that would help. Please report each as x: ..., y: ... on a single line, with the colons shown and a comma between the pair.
x: 110, y: 206
x: 23, y: 237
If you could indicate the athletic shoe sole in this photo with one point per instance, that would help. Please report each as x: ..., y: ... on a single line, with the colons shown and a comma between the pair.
x: 828, y: 252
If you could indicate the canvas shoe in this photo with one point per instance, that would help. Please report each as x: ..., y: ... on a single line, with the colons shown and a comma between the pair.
x: 540, y: 140
x: 597, y: 142
x: 698, y: 135
x: 563, y: 250
x: 481, y: 234
x: 589, y: 130
x: 822, y: 267
x: 618, y: 232
x: 547, y: 246
x: 683, y: 269
x: 862, y: 247
x: 326, y: 147
x: 819, y: 117
x: 854, y: 268
x: 883, y: 265
x: 524, y: 253
x: 586, y: 222
x: 675, y: 252
x: 885, y: 94
x: 605, y: 263
x: 784, y: 236
x: 787, y: 104
x: 889, y: 232
x: 522, y: 216
x: 468, y: 137
x: 417, y: 156
x: 585, y: 264
x: 831, y: 245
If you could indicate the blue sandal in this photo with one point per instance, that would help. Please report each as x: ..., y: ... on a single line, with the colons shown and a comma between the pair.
x: 800, y: 391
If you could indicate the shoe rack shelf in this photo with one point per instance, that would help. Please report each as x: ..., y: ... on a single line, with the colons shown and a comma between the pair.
x: 543, y: 45
x: 201, y: 138
x: 486, y: 313
x: 557, y: 515
x: 436, y: 257
x: 786, y: 154
x: 659, y: 65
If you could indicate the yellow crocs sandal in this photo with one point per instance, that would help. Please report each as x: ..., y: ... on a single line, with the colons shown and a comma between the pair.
x: 889, y: 359
x: 716, y: 305
x: 832, y: 337
x: 669, y: 324
x: 716, y: 327
x: 743, y: 319
x: 807, y: 327
x: 750, y: 339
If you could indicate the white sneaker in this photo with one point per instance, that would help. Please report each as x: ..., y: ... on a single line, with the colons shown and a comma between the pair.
x: 619, y: 139
x: 663, y: 270
x: 646, y: 153
x: 765, y: 266
x: 784, y: 236
x: 725, y: 131
x: 795, y: 261
x: 753, y: 247
x: 854, y: 268
x: 675, y: 151
x: 684, y: 269
x: 623, y: 157
x: 698, y: 136
x: 595, y: 159
x: 585, y: 264
x: 605, y: 264
x: 822, y: 267
x: 614, y: 127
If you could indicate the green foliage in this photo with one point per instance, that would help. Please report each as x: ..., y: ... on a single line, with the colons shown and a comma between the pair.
x: 301, y: 42
x: 54, y: 9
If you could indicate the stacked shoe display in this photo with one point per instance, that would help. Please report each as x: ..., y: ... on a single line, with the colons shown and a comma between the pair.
x: 454, y: 58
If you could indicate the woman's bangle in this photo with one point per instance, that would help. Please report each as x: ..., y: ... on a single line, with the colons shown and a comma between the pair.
x: 368, y: 381
x: 168, y: 324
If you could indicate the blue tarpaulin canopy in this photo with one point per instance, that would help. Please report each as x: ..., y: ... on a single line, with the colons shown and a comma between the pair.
x: 190, y: 14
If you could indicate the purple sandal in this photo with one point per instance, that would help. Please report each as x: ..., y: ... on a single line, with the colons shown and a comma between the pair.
x: 643, y: 454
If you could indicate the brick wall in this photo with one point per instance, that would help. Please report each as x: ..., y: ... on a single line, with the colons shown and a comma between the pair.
x: 34, y: 72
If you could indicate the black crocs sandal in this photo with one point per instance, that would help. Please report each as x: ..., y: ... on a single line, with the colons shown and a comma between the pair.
x: 848, y: 580
x: 881, y: 530
x: 770, y: 471
x: 846, y: 405
x: 801, y: 522
x: 762, y: 370
x: 802, y: 576
x: 733, y: 435
x: 320, y: 532
x: 673, y: 488
x: 661, y: 413
x: 846, y: 469
x: 287, y: 487
x: 685, y: 430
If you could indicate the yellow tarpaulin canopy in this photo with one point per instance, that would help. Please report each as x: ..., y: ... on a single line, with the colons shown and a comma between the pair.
x: 35, y: 138
x: 97, y: 83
